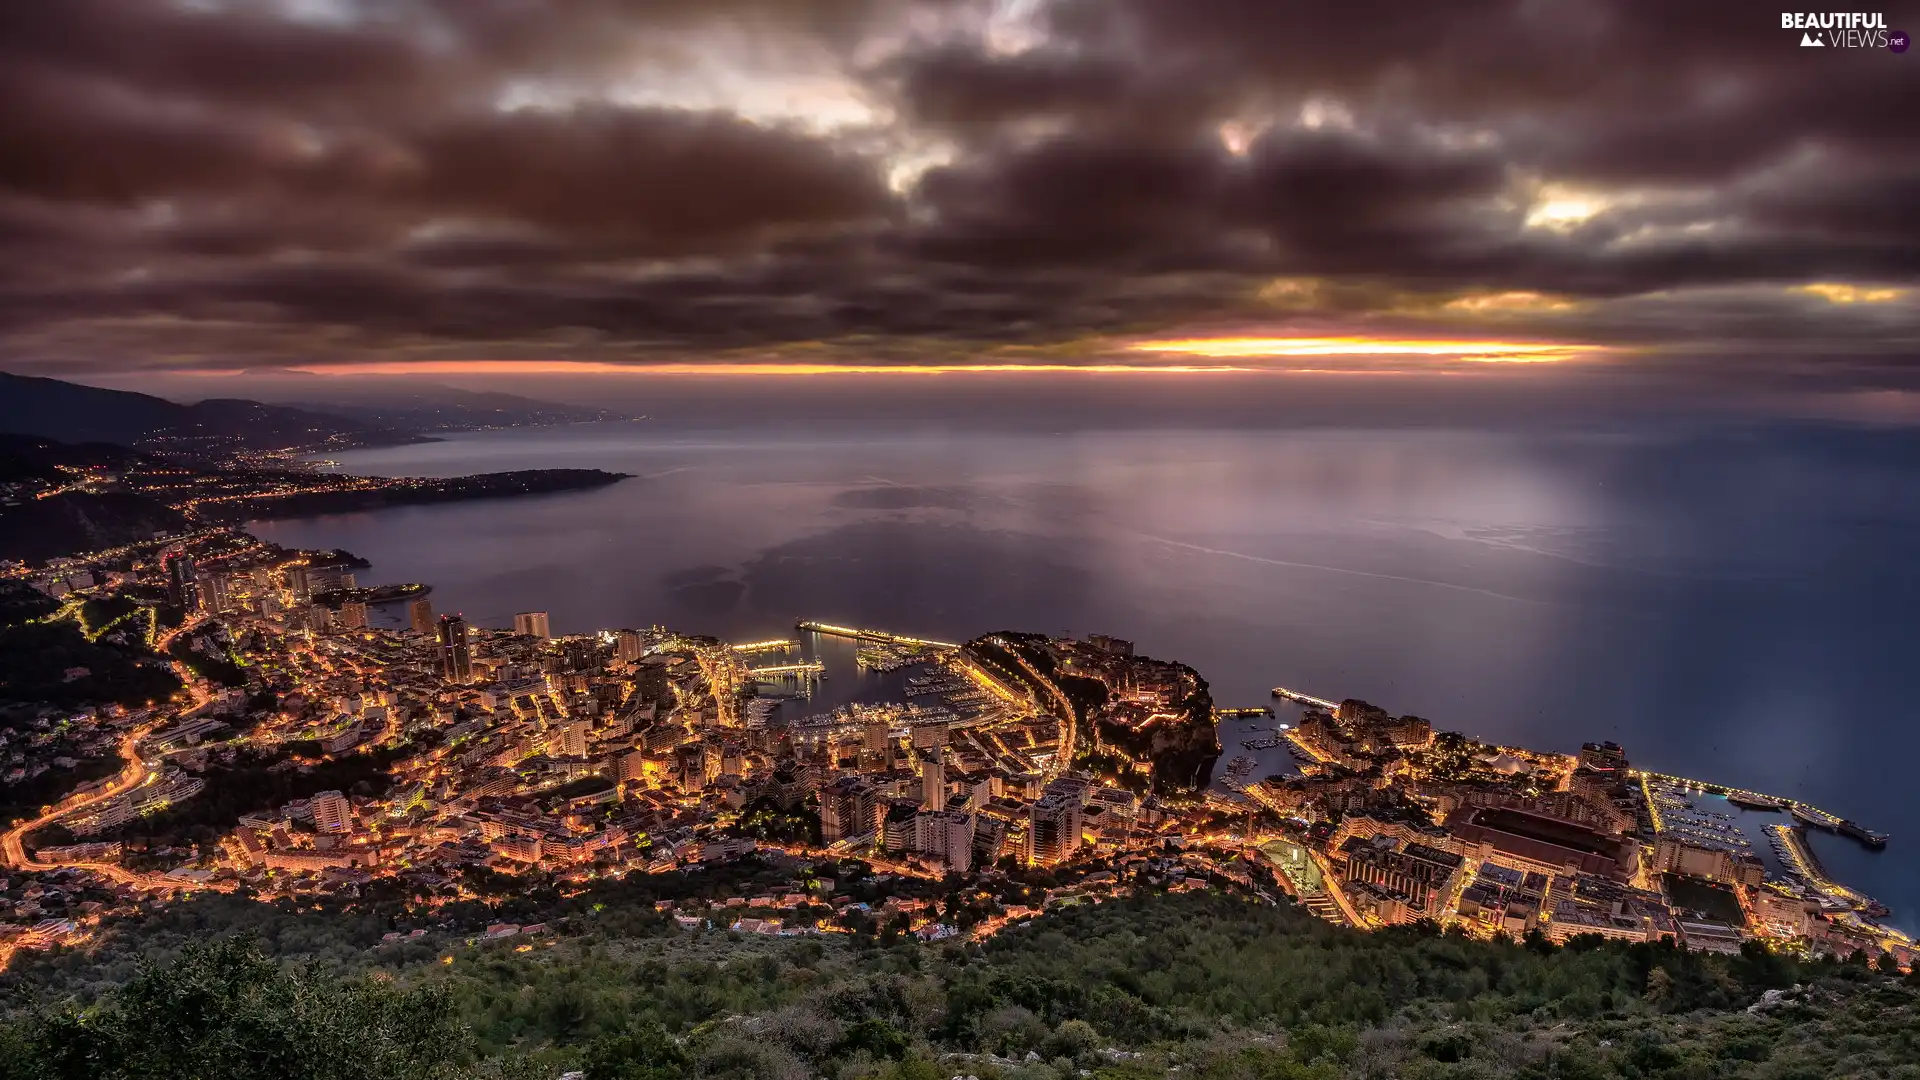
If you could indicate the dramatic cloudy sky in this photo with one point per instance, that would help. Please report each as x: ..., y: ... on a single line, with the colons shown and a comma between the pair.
x: 417, y: 185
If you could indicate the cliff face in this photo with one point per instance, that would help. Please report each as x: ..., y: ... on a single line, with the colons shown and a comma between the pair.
x: 1181, y: 753
x: 1118, y: 732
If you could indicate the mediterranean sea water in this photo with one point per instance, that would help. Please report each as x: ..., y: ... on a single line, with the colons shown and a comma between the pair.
x: 1735, y: 604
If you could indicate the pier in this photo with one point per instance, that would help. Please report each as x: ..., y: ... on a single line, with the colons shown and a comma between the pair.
x: 1243, y: 714
x: 1305, y: 699
x: 776, y: 645
x: 858, y: 634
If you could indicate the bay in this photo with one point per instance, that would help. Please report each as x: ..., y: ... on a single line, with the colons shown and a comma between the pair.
x: 1732, y: 603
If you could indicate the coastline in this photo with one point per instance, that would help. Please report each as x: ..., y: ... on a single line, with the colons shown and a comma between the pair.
x: 423, y: 491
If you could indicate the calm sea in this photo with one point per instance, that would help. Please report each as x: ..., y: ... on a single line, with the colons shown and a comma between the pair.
x: 1734, y: 604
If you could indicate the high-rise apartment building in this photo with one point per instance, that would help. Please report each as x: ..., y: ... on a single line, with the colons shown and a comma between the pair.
x: 933, y: 780
x: 531, y: 624
x: 327, y: 579
x: 1053, y: 828
x: 353, y: 616
x: 989, y: 836
x: 897, y: 830
x: 946, y: 835
x: 850, y: 806
x: 183, y: 588
x: 309, y: 617
x: 456, y: 656
x: 213, y: 593
x: 307, y: 582
x: 568, y: 739
x: 420, y: 615
x: 626, y: 646
x: 332, y: 813
x: 582, y: 654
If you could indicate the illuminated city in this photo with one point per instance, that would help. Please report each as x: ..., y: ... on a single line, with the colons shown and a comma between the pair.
x: 583, y: 757
x: 958, y: 540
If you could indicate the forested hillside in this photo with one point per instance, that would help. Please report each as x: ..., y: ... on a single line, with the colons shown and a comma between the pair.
x: 1193, y: 986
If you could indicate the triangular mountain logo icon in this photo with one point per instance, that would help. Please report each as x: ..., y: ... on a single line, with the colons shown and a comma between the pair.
x: 1809, y: 41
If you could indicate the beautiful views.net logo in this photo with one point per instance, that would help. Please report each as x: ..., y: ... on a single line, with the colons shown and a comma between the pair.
x: 1844, y: 30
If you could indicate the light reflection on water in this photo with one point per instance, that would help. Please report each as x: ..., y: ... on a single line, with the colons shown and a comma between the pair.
x: 1734, y: 606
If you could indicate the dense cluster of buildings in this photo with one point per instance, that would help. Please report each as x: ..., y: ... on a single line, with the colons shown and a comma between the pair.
x: 1403, y: 824
x: 629, y: 749
x: 582, y: 756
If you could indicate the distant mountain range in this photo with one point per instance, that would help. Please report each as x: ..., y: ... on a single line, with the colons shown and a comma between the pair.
x: 30, y: 457
x: 444, y: 408
x: 37, y: 529
x: 75, y: 413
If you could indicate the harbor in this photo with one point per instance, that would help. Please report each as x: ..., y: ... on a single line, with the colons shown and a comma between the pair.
x: 1691, y: 830
x: 825, y: 684
x: 1805, y: 813
x: 1803, y: 870
x: 885, y: 657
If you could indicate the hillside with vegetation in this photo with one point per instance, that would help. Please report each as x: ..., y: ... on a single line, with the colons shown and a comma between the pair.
x: 1199, y: 985
x: 75, y: 412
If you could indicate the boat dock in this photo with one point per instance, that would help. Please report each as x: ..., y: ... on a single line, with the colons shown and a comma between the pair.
x: 810, y: 669
x: 1791, y: 846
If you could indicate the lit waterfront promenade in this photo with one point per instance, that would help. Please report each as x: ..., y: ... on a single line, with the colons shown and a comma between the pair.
x: 776, y: 645
x: 870, y: 635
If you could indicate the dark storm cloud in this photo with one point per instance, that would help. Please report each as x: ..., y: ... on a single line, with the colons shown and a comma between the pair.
x: 957, y: 85
x: 664, y: 178
x: 1077, y: 200
x: 256, y: 183
x: 1336, y: 200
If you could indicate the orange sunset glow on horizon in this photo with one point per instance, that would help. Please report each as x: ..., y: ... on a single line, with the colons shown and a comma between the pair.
x: 1238, y: 355
x: 1472, y: 351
